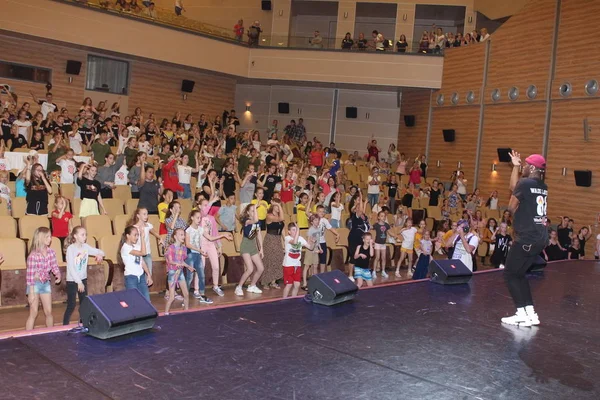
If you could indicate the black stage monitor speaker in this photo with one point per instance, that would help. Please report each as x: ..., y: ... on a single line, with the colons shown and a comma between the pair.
x: 409, y: 120
x: 331, y: 288
x: 73, y: 67
x: 266, y: 5
x: 449, y: 272
x: 187, y: 86
x: 538, y: 264
x: 583, y: 178
x: 504, y: 154
x: 449, y: 135
x: 351, y: 112
x: 117, y: 313
x: 283, y: 108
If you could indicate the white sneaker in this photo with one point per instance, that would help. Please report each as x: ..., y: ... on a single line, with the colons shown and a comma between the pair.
x: 218, y: 291
x: 519, y: 319
x: 501, y: 266
x: 253, y: 289
x: 351, y: 278
x: 179, y: 297
x: 384, y: 274
x: 535, y: 320
x: 239, y: 291
x: 374, y: 275
x: 397, y: 273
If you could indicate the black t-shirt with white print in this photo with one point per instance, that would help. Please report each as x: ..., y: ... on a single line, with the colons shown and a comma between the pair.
x: 529, y: 222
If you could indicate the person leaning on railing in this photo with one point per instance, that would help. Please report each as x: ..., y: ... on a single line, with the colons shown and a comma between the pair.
x: 347, y: 42
x: 316, y: 42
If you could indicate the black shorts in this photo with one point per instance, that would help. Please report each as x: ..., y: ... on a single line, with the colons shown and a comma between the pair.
x: 323, y: 255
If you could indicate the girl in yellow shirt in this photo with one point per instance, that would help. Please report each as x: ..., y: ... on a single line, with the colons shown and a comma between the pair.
x: 261, y: 207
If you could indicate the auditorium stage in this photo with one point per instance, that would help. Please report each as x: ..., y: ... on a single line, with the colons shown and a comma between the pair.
x: 404, y: 341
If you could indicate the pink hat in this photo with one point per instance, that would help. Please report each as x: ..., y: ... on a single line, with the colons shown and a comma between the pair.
x: 537, y: 160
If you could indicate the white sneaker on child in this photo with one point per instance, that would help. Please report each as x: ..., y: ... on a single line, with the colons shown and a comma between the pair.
x: 397, y: 273
x: 374, y: 275
x: 253, y: 289
x: 239, y: 291
x: 351, y: 278
x: 384, y: 274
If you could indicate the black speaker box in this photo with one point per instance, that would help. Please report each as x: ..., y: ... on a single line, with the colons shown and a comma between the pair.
x: 283, y: 108
x: 266, y: 5
x: 409, y: 120
x: 449, y: 272
x: 117, y: 313
x: 351, y: 112
x: 583, y: 178
x: 538, y: 264
x: 331, y: 288
x: 449, y: 135
x: 504, y: 154
x: 187, y: 86
x: 73, y: 67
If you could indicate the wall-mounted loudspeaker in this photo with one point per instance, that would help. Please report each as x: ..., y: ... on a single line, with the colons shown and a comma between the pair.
x: 449, y: 135
x: 283, y: 108
x: 266, y: 5
x: 351, y: 112
x: 73, y: 67
x: 409, y: 120
x: 583, y: 178
x: 187, y: 86
x: 504, y: 154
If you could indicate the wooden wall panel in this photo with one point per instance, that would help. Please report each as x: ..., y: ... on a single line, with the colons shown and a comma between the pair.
x: 412, y: 140
x: 154, y: 87
x: 463, y: 72
x: 157, y: 88
x: 568, y: 149
x: 518, y: 126
x: 521, y: 50
x: 576, y: 52
x: 464, y: 120
x: 40, y: 54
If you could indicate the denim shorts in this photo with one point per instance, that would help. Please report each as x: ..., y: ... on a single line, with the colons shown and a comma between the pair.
x: 362, y: 273
x: 171, y: 276
x: 40, y: 288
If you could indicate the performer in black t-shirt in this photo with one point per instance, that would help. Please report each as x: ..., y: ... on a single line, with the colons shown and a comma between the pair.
x: 528, y: 205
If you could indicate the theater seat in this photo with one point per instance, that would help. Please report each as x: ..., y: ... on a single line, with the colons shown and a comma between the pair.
x: 119, y: 224
x: 122, y: 192
x: 97, y: 226
x: 57, y: 247
x: 229, y: 250
x: 113, y: 207
x: 114, y: 273
x: 13, y: 251
x: 9, y: 227
x: 186, y: 208
x: 130, y: 206
x: 67, y: 190
x: 29, y: 223
x: 19, y: 206
x: 4, y: 209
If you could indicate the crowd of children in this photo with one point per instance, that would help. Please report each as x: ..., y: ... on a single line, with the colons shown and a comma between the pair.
x: 297, y: 190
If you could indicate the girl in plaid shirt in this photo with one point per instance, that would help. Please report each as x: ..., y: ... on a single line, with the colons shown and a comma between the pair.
x: 175, y: 255
x: 41, y: 261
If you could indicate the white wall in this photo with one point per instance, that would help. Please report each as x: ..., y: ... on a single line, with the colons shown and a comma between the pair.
x: 378, y: 116
x: 315, y: 105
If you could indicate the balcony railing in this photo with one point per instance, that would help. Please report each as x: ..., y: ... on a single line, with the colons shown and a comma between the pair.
x: 168, y: 18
